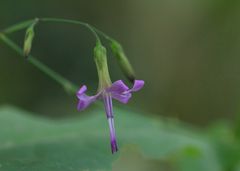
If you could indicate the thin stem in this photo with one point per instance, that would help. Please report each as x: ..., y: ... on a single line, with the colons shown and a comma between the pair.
x: 18, y: 26
x: 103, y: 34
x: 91, y: 28
x: 67, y: 85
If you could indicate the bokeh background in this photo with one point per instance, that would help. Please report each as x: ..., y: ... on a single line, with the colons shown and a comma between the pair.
x: 187, y: 52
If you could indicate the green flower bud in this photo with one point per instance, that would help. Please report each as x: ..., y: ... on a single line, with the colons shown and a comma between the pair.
x: 100, y: 57
x: 123, y: 61
x: 29, y: 39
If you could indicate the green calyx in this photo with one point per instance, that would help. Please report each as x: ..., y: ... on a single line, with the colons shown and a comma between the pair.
x: 122, y: 60
x: 100, y: 57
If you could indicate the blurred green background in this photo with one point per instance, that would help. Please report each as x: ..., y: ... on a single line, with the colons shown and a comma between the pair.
x: 187, y: 52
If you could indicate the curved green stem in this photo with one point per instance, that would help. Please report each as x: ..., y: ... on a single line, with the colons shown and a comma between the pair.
x: 59, y: 20
x: 93, y: 29
x: 67, y: 85
x: 103, y: 34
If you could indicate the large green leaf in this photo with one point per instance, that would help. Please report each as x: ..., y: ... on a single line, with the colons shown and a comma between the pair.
x: 31, y: 143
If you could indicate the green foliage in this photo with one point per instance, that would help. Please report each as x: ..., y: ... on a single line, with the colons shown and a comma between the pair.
x: 31, y: 143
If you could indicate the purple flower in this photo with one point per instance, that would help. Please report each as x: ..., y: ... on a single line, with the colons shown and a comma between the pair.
x: 119, y: 91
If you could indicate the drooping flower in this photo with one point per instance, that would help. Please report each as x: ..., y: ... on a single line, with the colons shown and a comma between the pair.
x: 106, y: 92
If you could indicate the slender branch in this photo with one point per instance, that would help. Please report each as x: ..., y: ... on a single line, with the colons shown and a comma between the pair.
x: 67, y: 85
x: 18, y: 26
x: 93, y: 29
x: 103, y: 34
x: 59, y: 20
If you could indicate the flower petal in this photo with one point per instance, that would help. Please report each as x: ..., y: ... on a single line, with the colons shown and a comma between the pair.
x: 138, y: 84
x: 121, y: 92
x: 84, y: 100
x: 118, y: 87
x: 123, y: 98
